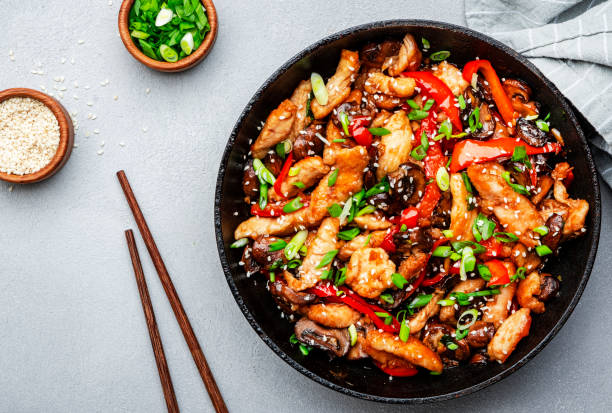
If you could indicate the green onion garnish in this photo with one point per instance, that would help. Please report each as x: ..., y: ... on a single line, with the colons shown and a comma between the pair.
x: 471, y: 315
x: 520, y: 155
x: 505, y: 237
x: 449, y: 343
x: 293, y: 205
x: 168, y: 53
x: 187, y: 43
x: 543, y: 250
x: 399, y: 280
x: 331, y: 181
x: 293, y: 171
x: 474, y: 120
x: 460, y: 334
x: 327, y: 258
x: 293, y: 339
x: 319, y: 89
x: 348, y: 234
x: 304, y: 349
x: 299, y: 184
x: 520, y: 274
x: 344, y: 120
x: 379, y: 188
x: 439, y: 56
x: 366, y: 210
x: 417, y: 114
x: 239, y: 243
x: 262, y: 172
x: 446, y: 129
x: 448, y: 233
x: 484, y: 272
x: 420, y: 301
x: 542, y: 230
x: 443, y: 251
x: 263, y: 195
x: 379, y: 131
x: 404, y: 228
x: 413, y: 104
x: 272, y: 277
x: 425, y: 43
x: 468, y: 262
x: 404, y: 332
x: 428, y: 104
x: 442, y: 179
x: 292, y: 248
x: 339, y: 140
x: 543, y: 125
x: 461, y: 101
x: 346, y: 210
x: 483, y: 228
x: 386, y: 297
x: 460, y: 245
x: 334, y: 210
x: 139, y: 35
x: 352, y: 334
x: 446, y: 302
x: 277, y: 245
x: 516, y: 187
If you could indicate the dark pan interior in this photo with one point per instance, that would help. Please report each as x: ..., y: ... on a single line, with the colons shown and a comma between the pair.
x: 362, y: 379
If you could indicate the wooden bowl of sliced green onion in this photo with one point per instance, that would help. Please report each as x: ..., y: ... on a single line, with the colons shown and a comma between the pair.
x: 168, y: 36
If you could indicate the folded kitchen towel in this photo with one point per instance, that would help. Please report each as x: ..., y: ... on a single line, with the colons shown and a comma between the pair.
x: 570, y: 41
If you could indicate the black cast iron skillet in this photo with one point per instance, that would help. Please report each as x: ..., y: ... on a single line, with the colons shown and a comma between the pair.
x: 362, y: 379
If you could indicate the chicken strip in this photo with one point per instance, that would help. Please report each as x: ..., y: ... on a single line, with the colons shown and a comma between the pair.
x: 373, y: 240
x: 412, y: 350
x: 334, y: 315
x: 373, y: 221
x: 408, y: 58
x: 462, y: 218
x: 447, y: 313
x: 452, y: 76
x: 514, y: 211
x: 339, y: 85
x: 369, y: 272
x: 310, y: 271
x: 350, y: 164
x: 310, y: 171
x: 300, y: 98
x: 509, y: 334
x: 418, y: 321
x: 402, y: 87
x: 394, y: 148
x: 276, y: 129
x: 496, y: 310
x: 577, y: 209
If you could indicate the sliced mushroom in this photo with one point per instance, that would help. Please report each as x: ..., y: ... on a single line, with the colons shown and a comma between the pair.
x: 530, y: 133
x: 289, y: 295
x: 555, y: 224
x: 262, y: 254
x: 488, y: 123
x: 549, y: 287
x: 250, y: 265
x: 407, y: 184
x: 519, y: 94
x: 432, y: 337
x: 480, y: 334
x: 307, y: 143
x: 250, y: 183
x: 408, y: 57
x: 334, y: 340
x: 373, y: 55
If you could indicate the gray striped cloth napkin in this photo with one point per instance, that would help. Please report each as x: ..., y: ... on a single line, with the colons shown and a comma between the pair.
x: 570, y: 41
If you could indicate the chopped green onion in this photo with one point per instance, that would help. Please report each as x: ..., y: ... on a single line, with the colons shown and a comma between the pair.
x: 446, y: 302
x: 428, y: 104
x: 505, y: 237
x: 471, y: 314
x: 293, y: 205
x: 468, y: 262
x: 187, y: 43
x: 379, y: 188
x: 386, y: 316
x: 366, y: 210
x: 283, y: 148
x: 547, y: 116
x: 420, y: 301
x: 379, y: 131
x: 299, y: 184
x: 339, y: 293
x: 346, y: 210
x: 455, y: 257
x: 263, y: 195
x: 327, y: 258
x: 349, y: 234
x: 461, y: 101
x: 466, y: 182
x: 239, y: 243
x: 460, y: 245
x: 484, y: 272
x: 516, y: 187
x: 474, y: 120
x: 272, y: 277
x: 460, y: 334
x: 424, y: 141
x: 262, y: 172
x: 331, y: 181
x: 352, y: 334
x: 418, y: 153
x: 340, y: 277
x: 543, y: 250
x: 163, y: 17
x: 340, y: 140
x: 334, y: 210
x: 404, y: 228
x: 292, y: 248
x: 483, y: 228
x: 442, y: 179
x: 520, y: 155
x: 304, y: 349
x: 344, y: 120
x: 542, y: 125
x: 388, y: 298
x: 293, y: 339
x: 519, y: 274
x: 449, y: 342
x: 293, y: 171
x: 168, y: 53
x: 319, y: 89
x: 277, y: 245
x: 425, y: 43
x: 399, y: 280
x: 327, y: 274
x: 368, y: 240
x: 413, y: 104
x: 439, y: 56
x: 443, y: 251
x: 542, y: 230
x: 417, y: 114
x: 139, y: 35
x: 446, y: 128
x: 404, y: 332
x: 448, y: 233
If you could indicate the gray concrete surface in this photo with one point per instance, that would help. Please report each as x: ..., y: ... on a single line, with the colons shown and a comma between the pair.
x: 72, y: 332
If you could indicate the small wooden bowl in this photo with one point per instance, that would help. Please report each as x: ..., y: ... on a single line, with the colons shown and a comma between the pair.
x: 186, y: 63
x: 66, y: 136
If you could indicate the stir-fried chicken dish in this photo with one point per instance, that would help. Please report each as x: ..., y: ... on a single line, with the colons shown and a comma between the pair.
x: 403, y: 210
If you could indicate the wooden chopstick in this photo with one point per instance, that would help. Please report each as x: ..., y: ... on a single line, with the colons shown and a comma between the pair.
x: 158, y: 348
x: 175, y: 302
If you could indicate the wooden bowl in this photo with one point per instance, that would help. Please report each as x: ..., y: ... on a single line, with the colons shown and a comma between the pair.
x: 186, y: 63
x: 66, y: 136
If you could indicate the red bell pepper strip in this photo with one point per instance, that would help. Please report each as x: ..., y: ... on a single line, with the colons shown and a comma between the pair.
x: 569, y: 179
x: 358, y: 129
x: 471, y: 151
x: 499, y: 273
x: 433, y: 280
x: 533, y: 175
x: 330, y: 292
x: 387, y: 243
x: 441, y: 93
x: 502, y: 101
x: 282, y: 175
x: 397, y: 371
x: 274, y: 210
x: 430, y: 200
x: 409, y: 217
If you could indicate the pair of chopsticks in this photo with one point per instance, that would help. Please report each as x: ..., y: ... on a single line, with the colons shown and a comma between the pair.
x: 175, y: 302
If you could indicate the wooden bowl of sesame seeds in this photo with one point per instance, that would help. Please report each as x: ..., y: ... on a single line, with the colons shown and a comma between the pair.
x: 47, y: 165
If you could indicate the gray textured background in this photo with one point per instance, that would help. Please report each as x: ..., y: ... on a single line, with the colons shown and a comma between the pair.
x: 72, y: 332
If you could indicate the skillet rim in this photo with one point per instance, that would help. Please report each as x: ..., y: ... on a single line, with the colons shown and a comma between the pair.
x: 595, y: 210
